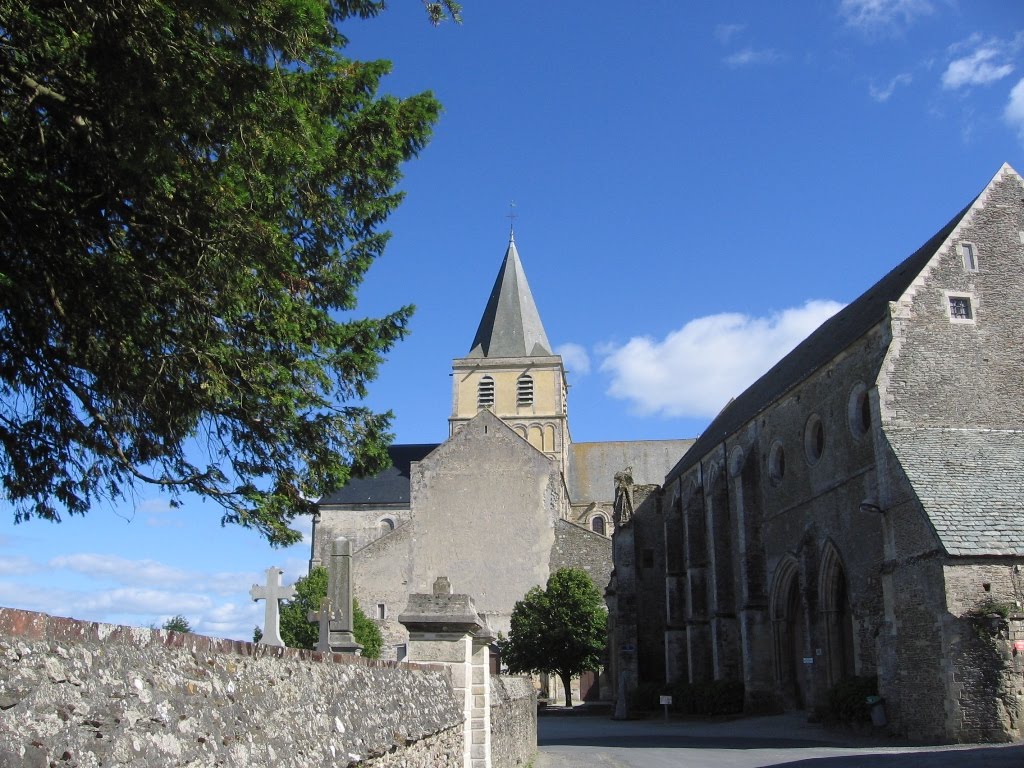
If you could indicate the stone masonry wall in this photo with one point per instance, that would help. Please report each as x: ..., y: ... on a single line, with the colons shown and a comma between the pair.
x: 75, y: 693
x: 578, y: 547
x: 513, y: 721
x: 984, y: 667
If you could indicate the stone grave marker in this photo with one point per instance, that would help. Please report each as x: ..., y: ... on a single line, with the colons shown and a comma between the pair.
x: 323, y: 618
x: 339, y: 593
x: 272, y: 591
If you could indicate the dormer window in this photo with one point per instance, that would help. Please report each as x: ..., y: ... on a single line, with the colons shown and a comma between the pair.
x: 524, y: 390
x: 970, y: 257
x: 485, y: 393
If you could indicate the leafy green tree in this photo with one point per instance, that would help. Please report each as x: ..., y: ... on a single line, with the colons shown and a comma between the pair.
x: 559, y: 629
x: 190, y: 195
x: 298, y: 632
x: 177, y: 624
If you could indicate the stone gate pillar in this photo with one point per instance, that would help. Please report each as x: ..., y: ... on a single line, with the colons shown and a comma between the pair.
x: 445, y: 629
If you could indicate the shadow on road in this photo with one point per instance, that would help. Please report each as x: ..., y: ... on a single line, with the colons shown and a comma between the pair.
x: 787, y: 740
x: 1009, y: 756
x: 648, y: 740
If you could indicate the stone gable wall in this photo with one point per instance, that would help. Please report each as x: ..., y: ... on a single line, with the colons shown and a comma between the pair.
x: 943, y: 373
x: 484, y: 505
x: 80, y: 694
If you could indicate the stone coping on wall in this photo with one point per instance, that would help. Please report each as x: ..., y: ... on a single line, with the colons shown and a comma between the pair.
x: 31, y: 625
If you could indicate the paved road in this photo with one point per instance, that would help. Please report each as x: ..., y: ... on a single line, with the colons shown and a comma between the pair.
x: 593, y: 741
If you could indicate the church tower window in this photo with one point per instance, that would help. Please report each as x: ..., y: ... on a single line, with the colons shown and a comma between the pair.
x: 485, y: 393
x: 524, y: 390
x: 597, y: 525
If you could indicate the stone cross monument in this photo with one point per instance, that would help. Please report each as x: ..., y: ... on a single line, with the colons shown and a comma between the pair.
x: 272, y: 592
x: 323, y: 618
x: 339, y: 593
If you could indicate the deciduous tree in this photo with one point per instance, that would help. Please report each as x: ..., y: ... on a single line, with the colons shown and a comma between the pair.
x: 177, y: 624
x: 559, y: 629
x: 190, y: 195
x: 298, y: 632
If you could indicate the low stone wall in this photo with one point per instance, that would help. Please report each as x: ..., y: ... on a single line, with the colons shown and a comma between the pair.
x: 513, y: 721
x: 75, y: 693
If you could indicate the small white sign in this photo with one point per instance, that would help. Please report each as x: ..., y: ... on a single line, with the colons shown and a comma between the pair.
x: 666, y: 699
x: 808, y: 659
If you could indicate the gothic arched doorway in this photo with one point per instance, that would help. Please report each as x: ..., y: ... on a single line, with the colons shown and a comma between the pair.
x: 833, y: 599
x: 789, y: 621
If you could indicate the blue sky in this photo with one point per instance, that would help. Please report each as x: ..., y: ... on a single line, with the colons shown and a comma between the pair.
x: 696, y: 187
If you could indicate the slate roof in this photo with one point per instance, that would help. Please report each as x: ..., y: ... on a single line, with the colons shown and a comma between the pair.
x: 510, y: 326
x: 970, y: 483
x: 592, y: 466
x: 831, y: 338
x: 391, y: 486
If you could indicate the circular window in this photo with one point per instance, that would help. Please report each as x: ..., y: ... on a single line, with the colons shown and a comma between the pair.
x: 777, y: 462
x: 735, y: 461
x: 858, y: 411
x: 814, y: 438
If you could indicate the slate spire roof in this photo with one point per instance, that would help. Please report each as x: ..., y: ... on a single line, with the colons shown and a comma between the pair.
x: 510, y: 326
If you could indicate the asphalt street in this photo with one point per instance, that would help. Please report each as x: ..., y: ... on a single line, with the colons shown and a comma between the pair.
x: 596, y: 741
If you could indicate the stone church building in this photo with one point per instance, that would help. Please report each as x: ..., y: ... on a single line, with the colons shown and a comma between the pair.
x: 506, y: 500
x: 859, y: 509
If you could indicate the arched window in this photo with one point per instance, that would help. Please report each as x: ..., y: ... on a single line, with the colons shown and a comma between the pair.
x: 597, y: 524
x: 485, y: 393
x: 385, y: 525
x: 524, y: 390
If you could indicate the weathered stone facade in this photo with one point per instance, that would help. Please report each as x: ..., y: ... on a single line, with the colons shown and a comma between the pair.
x: 851, y: 511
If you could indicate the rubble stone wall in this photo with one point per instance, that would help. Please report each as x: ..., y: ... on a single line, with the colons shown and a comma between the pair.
x: 513, y: 721
x: 75, y: 693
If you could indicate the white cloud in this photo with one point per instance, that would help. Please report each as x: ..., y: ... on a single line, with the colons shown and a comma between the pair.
x: 304, y: 525
x: 152, y: 573
x: 882, y: 15
x: 1014, y: 112
x: 881, y: 94
x: 144, y: 602
x: 17, y: 566
x: 575, y: 357
x: 724, y: 33
x: 155, y: 506
x: 749, y: 56
x: 120, y: 569
x: 231, y: 620
x: 986, y: 64
x: 695, y: 370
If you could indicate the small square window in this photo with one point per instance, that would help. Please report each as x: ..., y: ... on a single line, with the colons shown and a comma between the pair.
x: 960, y: 308
x: 970, y: 257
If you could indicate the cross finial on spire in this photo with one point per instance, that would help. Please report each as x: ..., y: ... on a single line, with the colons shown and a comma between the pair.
x: 512, y: 216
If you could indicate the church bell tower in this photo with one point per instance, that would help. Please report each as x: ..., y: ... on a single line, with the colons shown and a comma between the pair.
x: 511, y: 370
